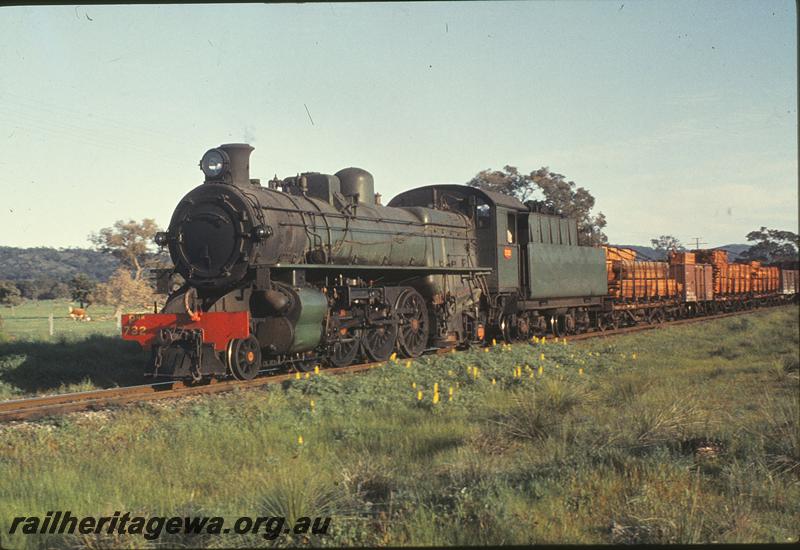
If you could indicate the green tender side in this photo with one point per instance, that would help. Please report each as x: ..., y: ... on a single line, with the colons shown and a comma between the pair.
x: 308, y: 330
x: 558, y: 271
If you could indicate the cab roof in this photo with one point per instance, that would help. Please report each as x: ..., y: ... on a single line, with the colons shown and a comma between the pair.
x: 423, y: 196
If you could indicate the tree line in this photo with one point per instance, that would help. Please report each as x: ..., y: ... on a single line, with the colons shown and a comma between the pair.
x: 565, y: 197
x: 131, y: 244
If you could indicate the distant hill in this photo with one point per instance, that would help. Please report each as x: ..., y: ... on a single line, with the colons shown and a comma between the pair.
x: 734, y: 250
x: 647, y: 252
x: 58, y: 263
x: 63, y: 263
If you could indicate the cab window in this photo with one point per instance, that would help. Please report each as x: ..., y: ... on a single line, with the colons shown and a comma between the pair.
x: 511, y: 229
x: 483, y: 216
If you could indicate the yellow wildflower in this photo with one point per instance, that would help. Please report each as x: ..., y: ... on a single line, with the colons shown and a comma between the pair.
x: 541, y: 357
x: 299, y: 439
x: 494, y: 382
x: 297, y: 376
x: 494, y: 342
x: 408, y: 364
x: 419, y: 395
x: 316, y: 369
x: 307, y: 376
x: 435, y: 397
x: 580, y: 372
x: 633, y: 356
x: 540, y: 371
x: 393, y: 356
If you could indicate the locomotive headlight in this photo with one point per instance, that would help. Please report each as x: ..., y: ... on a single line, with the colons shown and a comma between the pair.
x: 214, y: 163
x: 161, y: 238
x: 262, y: 232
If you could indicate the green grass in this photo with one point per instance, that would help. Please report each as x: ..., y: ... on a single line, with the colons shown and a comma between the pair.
x: 694, y: 440
x: 29, y: 321
x: 79, y: 356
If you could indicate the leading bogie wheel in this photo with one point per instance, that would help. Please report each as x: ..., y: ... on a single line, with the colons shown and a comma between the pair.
x: 244, y: 358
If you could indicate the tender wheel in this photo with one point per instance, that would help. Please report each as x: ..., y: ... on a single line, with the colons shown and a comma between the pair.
x: 244, y: 358
x: 556, y: 326
x: 412, y: 322
x: 523, y: 328
x: 600, y: 322
x: 569, y: 324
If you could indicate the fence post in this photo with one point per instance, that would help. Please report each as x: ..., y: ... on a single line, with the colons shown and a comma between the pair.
x: 50, y: 320
x: 118, y: 318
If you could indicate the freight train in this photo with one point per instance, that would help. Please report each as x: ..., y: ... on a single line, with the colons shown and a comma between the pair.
x: 312, y: 268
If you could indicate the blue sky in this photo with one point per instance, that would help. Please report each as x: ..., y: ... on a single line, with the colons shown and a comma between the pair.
x: 680, y: 117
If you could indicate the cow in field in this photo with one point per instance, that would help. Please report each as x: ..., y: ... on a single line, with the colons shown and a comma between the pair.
x: 78, y: 314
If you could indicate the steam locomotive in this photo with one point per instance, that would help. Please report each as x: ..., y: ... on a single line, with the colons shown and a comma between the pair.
x: 312, y: 268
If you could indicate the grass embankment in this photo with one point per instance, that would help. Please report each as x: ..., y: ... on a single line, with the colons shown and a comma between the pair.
x: 687, y: 434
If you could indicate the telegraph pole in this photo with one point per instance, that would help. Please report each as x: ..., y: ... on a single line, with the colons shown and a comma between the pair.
x: 697, y: 242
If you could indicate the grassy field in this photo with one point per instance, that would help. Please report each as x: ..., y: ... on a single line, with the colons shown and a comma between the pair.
x: 682, y: 435
x: 78, y: 356
x: 29, y: 321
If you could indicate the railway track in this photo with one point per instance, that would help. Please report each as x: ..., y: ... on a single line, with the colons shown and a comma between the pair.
x: 51, y: 405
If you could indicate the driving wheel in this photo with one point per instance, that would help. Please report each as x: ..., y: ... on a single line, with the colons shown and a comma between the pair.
x: 344, y: 349
x: 412, y: 323
x: 379, y: 340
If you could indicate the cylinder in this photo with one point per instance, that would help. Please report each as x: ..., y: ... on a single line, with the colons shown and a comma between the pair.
x: 308, y: 329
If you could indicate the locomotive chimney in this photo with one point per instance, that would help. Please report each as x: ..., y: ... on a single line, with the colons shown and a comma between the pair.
x: 239, y: 154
